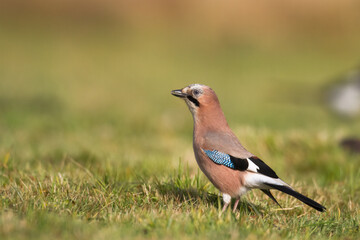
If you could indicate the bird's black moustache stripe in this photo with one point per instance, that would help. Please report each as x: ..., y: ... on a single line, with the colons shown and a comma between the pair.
x: 193, y: 100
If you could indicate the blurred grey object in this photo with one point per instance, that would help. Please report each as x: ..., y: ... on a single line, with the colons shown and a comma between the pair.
x: 351, y: 144
x: 344, y: 95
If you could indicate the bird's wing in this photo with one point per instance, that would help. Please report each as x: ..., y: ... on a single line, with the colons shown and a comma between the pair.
x: 252, y: 164
x: 267, y: 192
x: 225, y: 142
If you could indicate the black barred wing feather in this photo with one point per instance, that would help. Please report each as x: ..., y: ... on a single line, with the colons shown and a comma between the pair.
x: 262, y: 168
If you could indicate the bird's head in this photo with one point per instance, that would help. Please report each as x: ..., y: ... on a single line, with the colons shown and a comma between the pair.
x: 198, y: 97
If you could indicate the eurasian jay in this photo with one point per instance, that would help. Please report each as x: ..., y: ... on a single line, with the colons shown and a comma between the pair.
x: 222, y: 158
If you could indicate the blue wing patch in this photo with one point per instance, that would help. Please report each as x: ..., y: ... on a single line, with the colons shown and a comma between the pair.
x: 240, y: 163
x: 220, y: 158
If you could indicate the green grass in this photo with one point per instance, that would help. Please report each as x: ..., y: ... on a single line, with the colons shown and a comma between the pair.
x: 93, y: 146
x: 85, y: 196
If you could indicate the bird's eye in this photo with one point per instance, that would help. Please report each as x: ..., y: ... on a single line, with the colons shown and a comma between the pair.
x: 196, y: 92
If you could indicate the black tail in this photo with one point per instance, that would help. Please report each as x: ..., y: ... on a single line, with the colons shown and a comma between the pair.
x: 267, y: 192
x: 299, y: 196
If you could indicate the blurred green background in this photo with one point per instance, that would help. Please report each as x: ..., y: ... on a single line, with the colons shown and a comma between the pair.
x: 107, y: 67
x: 92, y: 80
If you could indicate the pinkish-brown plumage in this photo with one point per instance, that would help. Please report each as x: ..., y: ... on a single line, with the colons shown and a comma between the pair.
x: 220, y: 155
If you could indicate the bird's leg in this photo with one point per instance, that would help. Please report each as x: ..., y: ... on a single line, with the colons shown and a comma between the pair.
x: 227, y: 200
x: 224, y: 207
x: 236, y: 204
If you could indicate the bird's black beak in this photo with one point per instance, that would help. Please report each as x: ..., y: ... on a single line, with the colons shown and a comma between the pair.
x: 178, y: 93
